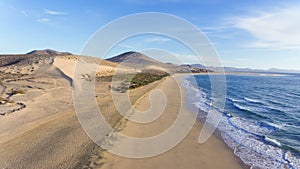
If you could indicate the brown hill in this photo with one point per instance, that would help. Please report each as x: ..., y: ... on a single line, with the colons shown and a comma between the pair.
x: 36, y: 62
x: 135, y: 59
x: 19, y: 60
x: 48, y: 52
x: 140, y: 61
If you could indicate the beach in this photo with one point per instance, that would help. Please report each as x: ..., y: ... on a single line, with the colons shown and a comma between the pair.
x: 189, y: 153
x: 47, y: 134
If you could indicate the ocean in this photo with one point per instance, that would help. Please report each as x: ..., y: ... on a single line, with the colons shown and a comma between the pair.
x: 261, y: 118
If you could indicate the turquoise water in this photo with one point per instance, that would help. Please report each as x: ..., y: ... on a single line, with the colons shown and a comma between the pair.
x: 261, y: 118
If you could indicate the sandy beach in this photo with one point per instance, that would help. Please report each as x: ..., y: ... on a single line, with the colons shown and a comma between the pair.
x: 187, y: 154
x: 47, y: 134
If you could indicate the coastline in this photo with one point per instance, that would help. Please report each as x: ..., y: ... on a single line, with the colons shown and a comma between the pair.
x: 251, y: 138
x: 187, y: 154
x: 64, y: 129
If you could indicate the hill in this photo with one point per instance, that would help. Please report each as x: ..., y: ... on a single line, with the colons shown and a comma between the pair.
x: 25, y: 59
x: 48, y: 52
x: 283, y: 70
x: 137, y: 60
x: 140, y: 61
x: 33, y: 57
x: 36, y: 101
x: 36, y: 61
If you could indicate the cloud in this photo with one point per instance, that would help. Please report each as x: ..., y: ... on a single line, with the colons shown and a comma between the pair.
x: 127, y: 46
x: 279, y: 28
x: 23, y: 12
x: 157, y: 39
x: 51, y: 12
x: 189, y: 59
x: 43, y: 20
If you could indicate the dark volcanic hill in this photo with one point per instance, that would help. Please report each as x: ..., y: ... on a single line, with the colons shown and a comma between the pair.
x: 135, y: 59
x: 140, y: 61
x: 48, y: 52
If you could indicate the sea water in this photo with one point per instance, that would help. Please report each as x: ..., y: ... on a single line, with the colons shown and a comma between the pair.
x: 261, y: 117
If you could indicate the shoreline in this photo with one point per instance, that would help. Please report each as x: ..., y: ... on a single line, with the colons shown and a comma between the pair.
x: 217, y: 133
x: 187, y: 154
x: 241, y: 136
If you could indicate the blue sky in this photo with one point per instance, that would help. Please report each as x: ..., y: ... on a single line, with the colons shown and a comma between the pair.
x: 256, y: 33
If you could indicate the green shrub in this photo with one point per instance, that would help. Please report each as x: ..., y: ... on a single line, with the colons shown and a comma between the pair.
x: 145, y: 77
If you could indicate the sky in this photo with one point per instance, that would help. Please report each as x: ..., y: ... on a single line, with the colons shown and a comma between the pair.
x: 258, y: 34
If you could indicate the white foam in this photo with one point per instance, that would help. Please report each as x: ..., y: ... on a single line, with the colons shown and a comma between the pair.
x: 235, y: 100
x: 241, y: 107
x: 252, y: 100
x: 278, y: 126
x: 272, y: 141
x: 249, y: 108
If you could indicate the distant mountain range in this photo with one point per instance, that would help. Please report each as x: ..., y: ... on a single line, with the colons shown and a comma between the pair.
x: 234, y: 69
x: 283, y: 70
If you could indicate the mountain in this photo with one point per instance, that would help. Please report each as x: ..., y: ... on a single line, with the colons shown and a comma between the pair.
x: 48, y: 52
x: 234, y: 69
x: 136, y: 60
x: 140, y: 61
x: 283, y: 70
x: 198, y: 66
x: 272, y: 70
x: 231, y: 69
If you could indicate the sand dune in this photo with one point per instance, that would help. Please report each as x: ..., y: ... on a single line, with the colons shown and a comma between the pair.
x: 47, y: 134
x: 67, y: 64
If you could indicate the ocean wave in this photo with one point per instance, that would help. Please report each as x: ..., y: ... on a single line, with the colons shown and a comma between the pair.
x: 272, y: 141
x: 242, y: 107
x: 280, y: 102
x: 253, y: 100
x: 272, y: 126
x: 235, y: 100
x: 252, y: 109
x: 249, y: 139
x: 254, y: 149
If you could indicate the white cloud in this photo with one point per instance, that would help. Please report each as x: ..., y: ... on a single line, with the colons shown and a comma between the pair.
x: 127, y: 46
x: 279, y: 28
x: 23, y: 12
x: 52, y: 12
x: 157, y: 39
x: 43, y: 20
x: 204, y: 60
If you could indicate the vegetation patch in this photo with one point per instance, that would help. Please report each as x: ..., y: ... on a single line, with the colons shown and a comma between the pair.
x: 145, y: 77
x: 132, y: 81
